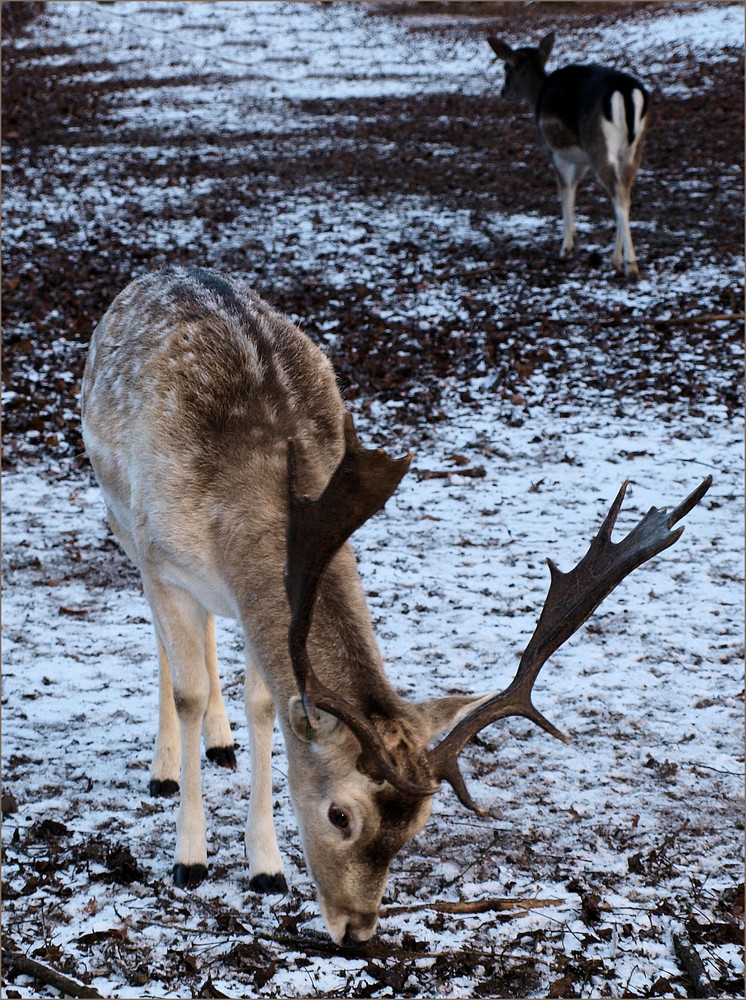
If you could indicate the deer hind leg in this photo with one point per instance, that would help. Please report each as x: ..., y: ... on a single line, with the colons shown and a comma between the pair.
x: 624, y: 251
x: 164, y: 774
x: 617, y: 179
x: 216, y: 728
x: 621, y: 197
x: 617, y: 173
x: 181, y: 624
x: 265, y: 862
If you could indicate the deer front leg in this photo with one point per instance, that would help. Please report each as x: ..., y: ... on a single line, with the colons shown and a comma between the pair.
x: 569, y: 175
x: 216, y: 728
x: 181, y: 624
x: 265, y: 862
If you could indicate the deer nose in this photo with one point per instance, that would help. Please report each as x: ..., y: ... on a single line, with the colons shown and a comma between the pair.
x: 360, y: 928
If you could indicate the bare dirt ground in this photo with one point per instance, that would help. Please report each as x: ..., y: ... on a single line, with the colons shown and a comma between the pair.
x: 425, y: 305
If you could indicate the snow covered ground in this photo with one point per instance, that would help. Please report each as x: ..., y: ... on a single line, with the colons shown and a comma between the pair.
x: 651, y: 693
x: 634, y: 831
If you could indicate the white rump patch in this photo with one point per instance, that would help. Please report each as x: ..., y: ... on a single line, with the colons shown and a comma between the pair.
x: 638, y: 102
x: 615, y: 132
x: 618, y: 147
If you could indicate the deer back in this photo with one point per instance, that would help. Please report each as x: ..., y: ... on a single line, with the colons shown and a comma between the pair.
x: 591, y: 107
x: 193, y: 386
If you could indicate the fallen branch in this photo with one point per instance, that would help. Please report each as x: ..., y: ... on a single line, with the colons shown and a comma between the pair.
x: 707, y: 318
x: 691, y: 961
x: 627, y: 320
x: 46, y: 974
x: 477, y: 906
x: 468, y: 272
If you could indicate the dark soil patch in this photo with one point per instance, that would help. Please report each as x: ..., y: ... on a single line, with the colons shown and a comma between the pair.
x: 451, y: 148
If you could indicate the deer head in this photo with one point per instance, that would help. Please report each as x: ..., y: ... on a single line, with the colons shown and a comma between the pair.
x: 380, y: 771
x: 524, y: 68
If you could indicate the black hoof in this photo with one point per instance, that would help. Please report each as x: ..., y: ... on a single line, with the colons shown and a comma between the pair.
x: 189, y: 876
x: 269, y: 885
x: 163, y: 789
x: 223, y: 757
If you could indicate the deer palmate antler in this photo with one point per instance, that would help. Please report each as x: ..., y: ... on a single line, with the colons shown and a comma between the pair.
x: 572, y: 598
x: 361, y: 484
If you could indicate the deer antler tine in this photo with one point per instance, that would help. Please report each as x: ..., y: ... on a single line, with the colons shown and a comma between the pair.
x: 451, y: 773
x: 515, y: 700
x: 690, y: 503
x: 535, y: 716
x: 554, y: 570
x: 604, y: 532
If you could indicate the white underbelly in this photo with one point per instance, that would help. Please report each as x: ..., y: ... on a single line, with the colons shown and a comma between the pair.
x: 205, y: 587
x: 572, y: 156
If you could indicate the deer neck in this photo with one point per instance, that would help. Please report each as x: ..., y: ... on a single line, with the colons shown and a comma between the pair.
x: 249, y: 534
x: 534, y: 90
x: 341, y: 644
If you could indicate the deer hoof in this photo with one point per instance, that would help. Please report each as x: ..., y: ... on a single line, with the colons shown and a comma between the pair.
x: 269, y: 885
x: 163, y: 789
x: 223, y: 756
x: 189, y: 876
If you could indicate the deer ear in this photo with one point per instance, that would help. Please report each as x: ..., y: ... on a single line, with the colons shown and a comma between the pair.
x: 545, y: 45
x: 501, y: 49
x: 328, y: 725
x: 442, y: 714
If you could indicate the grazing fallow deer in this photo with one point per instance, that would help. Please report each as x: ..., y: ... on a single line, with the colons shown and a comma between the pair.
x: 210, y: 420
x: 591, y: 118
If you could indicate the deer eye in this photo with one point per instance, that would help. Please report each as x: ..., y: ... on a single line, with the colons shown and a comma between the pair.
x: 339, y: 818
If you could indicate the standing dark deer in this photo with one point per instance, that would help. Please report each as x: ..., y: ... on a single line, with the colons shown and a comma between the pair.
x: 209, y: 420
x: 591, y: 118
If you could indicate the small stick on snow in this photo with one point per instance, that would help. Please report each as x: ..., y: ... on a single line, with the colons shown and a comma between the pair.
x: 615, y: 320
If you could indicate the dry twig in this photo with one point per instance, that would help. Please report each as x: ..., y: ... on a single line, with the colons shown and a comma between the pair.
x: 477, y: 906
x: 651, y: 321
